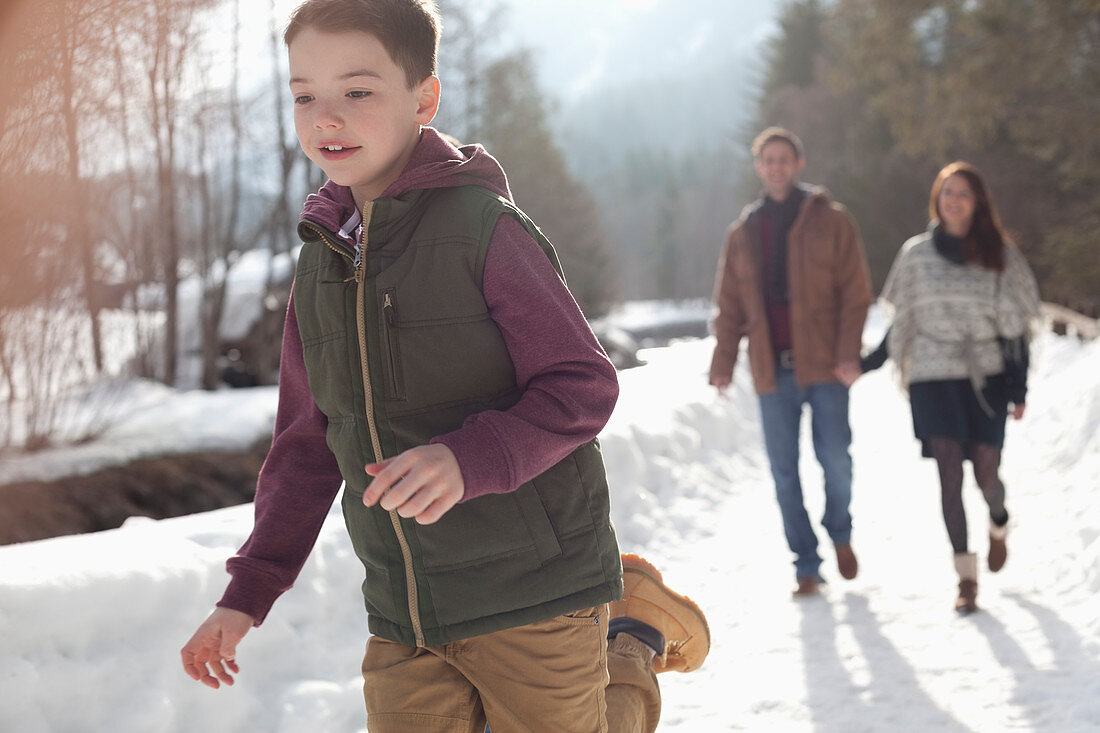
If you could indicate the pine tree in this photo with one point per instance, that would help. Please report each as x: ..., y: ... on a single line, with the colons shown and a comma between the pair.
x: 515, y: 130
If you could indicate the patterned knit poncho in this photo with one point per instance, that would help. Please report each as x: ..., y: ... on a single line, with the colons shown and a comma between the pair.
x: 948, y: 317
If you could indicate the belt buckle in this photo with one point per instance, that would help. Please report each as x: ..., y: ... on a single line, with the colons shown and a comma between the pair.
x: 786, y: 359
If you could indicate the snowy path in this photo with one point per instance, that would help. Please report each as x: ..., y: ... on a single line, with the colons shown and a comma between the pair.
x: 886, y: 652
x: 95, y: 622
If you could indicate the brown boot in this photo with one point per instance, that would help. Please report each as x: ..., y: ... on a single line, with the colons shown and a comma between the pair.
x: 647, y: 599
x: 967, y: 566
x: 807, y: 587
x: 846, y: 562
x: 998, y: 550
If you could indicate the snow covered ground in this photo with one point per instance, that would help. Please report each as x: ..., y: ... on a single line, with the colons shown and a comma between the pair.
x: 92, y: 625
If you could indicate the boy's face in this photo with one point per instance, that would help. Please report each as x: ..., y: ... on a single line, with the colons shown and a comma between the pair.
x: 354, y: 113
x: 778, y: 168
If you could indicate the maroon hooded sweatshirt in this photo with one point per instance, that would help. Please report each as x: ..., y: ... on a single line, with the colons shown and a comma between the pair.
x: 569, y: 386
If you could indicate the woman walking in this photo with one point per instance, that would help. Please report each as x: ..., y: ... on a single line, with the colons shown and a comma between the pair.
x: 964, y: 300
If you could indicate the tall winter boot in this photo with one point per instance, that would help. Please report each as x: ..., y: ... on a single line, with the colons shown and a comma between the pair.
x: 998, y: 549
x: 966, y: 564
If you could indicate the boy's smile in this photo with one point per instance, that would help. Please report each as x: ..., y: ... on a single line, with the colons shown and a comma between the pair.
x: 354, y: 113
x: 337, y: 152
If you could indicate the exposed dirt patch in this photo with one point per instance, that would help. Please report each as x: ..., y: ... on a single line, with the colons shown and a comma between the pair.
x: 170, y: 486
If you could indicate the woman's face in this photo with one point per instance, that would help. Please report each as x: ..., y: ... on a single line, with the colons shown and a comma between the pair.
x: 956, y: 205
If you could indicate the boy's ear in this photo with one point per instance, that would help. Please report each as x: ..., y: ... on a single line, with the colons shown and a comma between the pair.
x: 427, y: 100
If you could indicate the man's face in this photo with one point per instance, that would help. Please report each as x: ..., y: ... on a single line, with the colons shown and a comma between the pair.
x: 354, y: 113
x: 778, y: 168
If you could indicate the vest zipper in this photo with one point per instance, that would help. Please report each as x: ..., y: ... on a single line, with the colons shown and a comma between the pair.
x: 327, y: 239
x: 389, y: 312
x: 376, y: 443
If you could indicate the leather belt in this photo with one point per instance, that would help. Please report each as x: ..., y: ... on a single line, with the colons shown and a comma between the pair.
x: 785, y: 359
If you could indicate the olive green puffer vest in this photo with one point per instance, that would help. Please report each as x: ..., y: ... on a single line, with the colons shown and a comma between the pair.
x: 399, y: 347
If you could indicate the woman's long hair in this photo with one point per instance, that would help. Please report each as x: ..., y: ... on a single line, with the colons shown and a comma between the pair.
x: 985, y: 242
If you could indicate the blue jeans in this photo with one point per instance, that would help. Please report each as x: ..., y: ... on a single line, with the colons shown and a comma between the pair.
x: 781, y: 413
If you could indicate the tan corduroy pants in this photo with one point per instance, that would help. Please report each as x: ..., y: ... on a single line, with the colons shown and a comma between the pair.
x: 555, y: 676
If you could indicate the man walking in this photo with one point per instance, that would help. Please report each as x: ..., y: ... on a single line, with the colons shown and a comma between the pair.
x: 794, y: 279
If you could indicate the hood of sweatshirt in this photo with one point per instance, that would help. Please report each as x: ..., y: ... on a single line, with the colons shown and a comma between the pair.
x: 434, y: 163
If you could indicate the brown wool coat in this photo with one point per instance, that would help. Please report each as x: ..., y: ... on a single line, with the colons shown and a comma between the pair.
x: 830, y: 287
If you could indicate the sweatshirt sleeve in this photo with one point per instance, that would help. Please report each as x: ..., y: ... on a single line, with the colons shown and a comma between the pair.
x: 569, y: 386
x: 296, y: 487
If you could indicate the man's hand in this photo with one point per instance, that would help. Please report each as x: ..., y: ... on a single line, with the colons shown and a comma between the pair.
x: 1018, y: 411
x: 721, y: 384
x: 848, y: 372
x: 213, y: 643
x: 422, y: 483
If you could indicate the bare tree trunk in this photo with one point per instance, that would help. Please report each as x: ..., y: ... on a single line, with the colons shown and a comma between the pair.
x: 267, y: 338
x: 282, y: 222
x: 133, y: 246
x: 7, y: 365
x: 163, y: 78
x: 223, y: 235
x: 208, y: 258
x: 79, y: 228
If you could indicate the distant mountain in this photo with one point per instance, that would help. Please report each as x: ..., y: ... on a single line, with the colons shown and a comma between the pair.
x: 656, y: 74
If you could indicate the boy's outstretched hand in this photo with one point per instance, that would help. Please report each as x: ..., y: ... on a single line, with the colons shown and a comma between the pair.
x: 216, y: 642
x: 421, y: 483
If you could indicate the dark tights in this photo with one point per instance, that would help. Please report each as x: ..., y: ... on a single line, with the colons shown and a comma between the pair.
x: 985, y: 460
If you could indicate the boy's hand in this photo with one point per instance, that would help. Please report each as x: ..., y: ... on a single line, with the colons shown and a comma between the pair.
x: 215, y: 642
x: 421, y: 483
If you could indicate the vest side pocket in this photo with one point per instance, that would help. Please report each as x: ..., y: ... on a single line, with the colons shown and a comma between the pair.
x: 538, y: 523
x: 566, y: 496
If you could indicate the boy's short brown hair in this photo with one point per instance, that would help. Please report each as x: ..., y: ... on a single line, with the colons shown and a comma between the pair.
x: 407, y: 29
x: 772, y: 134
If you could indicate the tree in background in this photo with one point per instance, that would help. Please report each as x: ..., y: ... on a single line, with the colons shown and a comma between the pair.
x: 496, y: 100
x: 219, y: 135
x: 48, y: 291
x: 93, y: 165
x: 514, y: 129
x: 48, y: 126
x: 263, y: 345
x: 172, y: 33
x: 1014, y: 87
x: 884, y: 94
x: 669, y: 210
x: 848, y: 150
x: 39, y: 302
x: 794, y: 54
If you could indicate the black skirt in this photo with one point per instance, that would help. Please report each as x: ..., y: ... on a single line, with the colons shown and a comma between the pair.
x: 949, y: 408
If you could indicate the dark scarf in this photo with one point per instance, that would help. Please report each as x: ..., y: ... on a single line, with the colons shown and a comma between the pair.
x: 780, y: 216
x: 949, y: 247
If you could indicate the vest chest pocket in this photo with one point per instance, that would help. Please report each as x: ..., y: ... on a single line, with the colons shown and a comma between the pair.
x: 391, y: 346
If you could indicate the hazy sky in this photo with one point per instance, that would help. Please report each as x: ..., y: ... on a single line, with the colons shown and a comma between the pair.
x: 654, y: 63
x: 581, y: 44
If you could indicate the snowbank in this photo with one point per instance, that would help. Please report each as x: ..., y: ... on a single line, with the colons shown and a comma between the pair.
x: 92, y: 625
x: 154, y: 420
